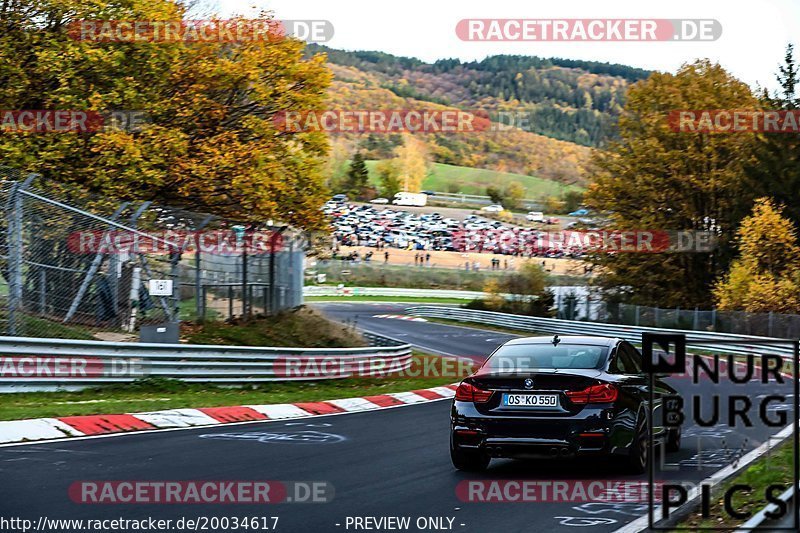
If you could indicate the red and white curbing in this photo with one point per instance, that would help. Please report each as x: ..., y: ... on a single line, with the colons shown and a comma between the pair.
x: 402, y: 317
x: 78, y: 426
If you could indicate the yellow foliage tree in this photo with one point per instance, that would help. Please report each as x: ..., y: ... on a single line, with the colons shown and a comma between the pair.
x: 212, y: 141
x: 411, y: 161
x: 766, y: 276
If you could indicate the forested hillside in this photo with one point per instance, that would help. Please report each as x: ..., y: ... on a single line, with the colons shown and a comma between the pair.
x: 572, y: 100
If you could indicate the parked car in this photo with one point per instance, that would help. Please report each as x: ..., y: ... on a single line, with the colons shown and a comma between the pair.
x: 535, y: 216
x: 579, y: 213
x: 494, y: 208
x: 380, y: 201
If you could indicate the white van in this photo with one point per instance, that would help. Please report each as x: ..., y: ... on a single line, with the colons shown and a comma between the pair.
x: 410, y: 198
x: 535, y: 216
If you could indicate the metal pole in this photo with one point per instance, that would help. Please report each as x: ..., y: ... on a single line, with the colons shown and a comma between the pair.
x: 199, y: 292
x: 133, y: 296
x: 93, y: 268
x: 230, y: 301
x: 244, y: 280
x: 15, y: 251
x: 42, y: 291
x: 271, y: 274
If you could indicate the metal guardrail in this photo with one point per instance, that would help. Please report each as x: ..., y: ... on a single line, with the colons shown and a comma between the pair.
x: 50, y: 364
x: 728, y: 342
x: 329, y: 290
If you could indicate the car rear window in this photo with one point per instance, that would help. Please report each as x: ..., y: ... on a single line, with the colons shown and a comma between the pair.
x: 523, y: 357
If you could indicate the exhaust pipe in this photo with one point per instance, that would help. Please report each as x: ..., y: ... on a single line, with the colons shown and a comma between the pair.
x: 553, y: 451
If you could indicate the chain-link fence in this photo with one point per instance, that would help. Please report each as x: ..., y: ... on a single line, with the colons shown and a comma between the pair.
x: 741, y: 322
x: 76, y: 265
x: 578, y: 303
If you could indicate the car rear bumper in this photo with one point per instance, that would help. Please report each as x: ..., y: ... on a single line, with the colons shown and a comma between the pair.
x: 594, y: 431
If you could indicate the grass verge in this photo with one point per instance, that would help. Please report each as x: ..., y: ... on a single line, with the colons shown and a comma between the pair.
x: 298, y: 327
x: 774, y: 468
x: 158, y: 393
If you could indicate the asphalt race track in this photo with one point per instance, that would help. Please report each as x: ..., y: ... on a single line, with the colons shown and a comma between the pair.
x: 392, y: 462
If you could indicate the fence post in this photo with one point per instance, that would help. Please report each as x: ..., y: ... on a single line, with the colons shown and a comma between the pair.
x: 714, y: 319
x: 656, y: 316
x: 244, y: 281
x: 696, y: 321
x: 636, y: 320
x: 588, y: 306
x: 15, y: 250
x: 92, y: 270
x: 202, y: 314
x: 199, y: 292
x: 769, y: 324
x: 42, y: 291
x: 14, y: 257
x: 230, y: 302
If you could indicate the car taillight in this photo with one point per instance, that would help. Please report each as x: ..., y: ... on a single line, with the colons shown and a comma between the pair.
x: 467, y: 392
x: 595, y: 394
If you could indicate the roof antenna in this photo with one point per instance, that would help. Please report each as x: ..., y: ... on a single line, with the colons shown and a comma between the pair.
x: 556, y: 340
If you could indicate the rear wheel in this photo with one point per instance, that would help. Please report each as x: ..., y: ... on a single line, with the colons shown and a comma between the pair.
x: 469, y: 460
x: 639, y: 450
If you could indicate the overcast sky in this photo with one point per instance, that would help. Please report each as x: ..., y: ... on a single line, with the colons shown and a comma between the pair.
x: 754, y: 33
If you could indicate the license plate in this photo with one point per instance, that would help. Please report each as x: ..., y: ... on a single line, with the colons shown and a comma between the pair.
x: 530, y: 400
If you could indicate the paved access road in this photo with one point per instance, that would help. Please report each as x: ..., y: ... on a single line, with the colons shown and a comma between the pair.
x: 381, y: 463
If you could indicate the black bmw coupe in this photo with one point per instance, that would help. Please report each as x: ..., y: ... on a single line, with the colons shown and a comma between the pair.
x: 558, y: 397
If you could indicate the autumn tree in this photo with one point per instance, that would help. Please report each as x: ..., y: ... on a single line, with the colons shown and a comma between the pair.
x: 336, y: 164
x: 514, y: 194
x: 765, y: 277
x: 389, y: 178
x: 655, y: 178
x: 776, y: 169
x: 495, y: 194
x: 411, y: 162
x: 357, y: 178
x: 211, y: 141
